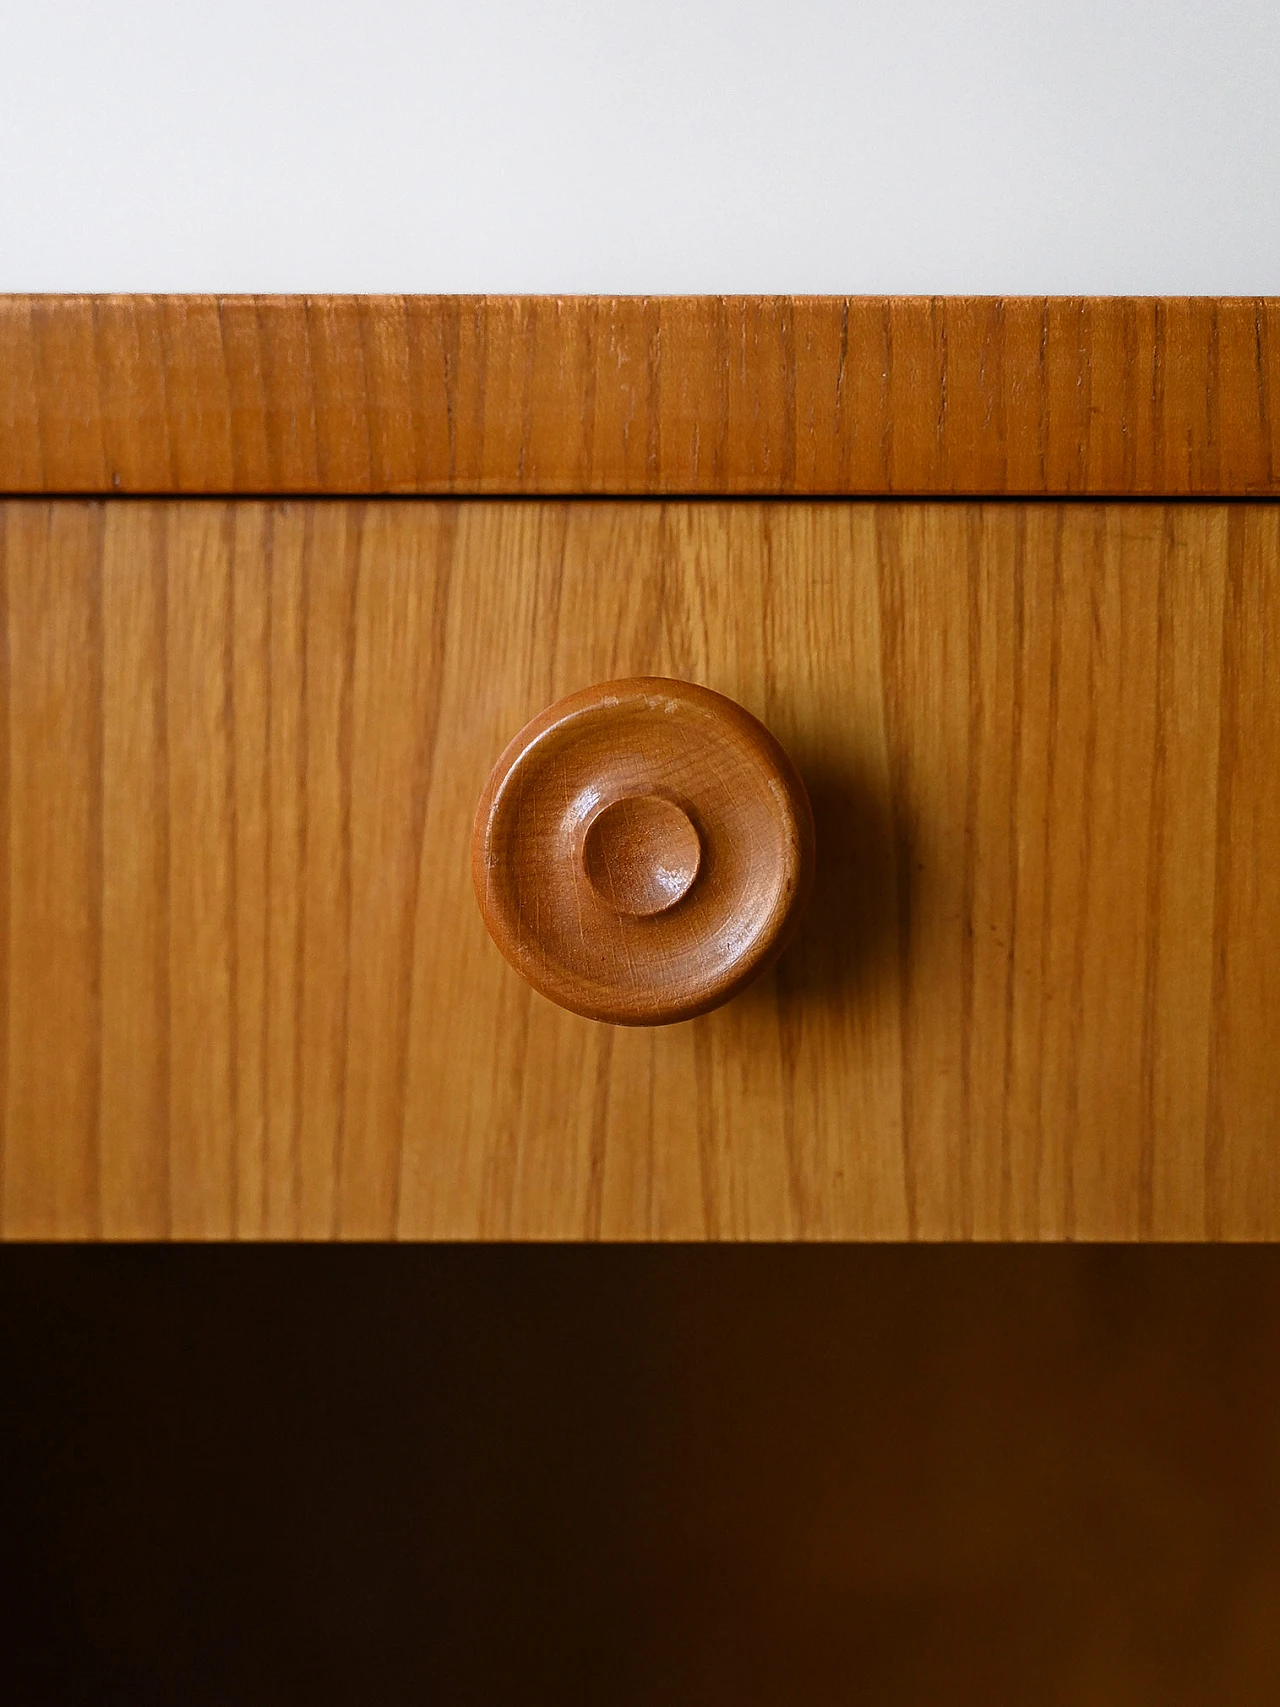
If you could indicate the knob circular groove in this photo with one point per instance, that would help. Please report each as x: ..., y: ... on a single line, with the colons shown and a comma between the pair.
x: 642, y: 850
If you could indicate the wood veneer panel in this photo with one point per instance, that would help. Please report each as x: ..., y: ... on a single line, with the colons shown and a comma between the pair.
x: 627, y: 395
x: 247, y: 989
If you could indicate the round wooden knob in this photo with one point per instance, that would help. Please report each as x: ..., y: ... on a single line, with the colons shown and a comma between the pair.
x: 642, y: 850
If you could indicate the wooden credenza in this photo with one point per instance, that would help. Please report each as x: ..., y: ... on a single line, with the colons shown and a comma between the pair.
x: 280, y: 579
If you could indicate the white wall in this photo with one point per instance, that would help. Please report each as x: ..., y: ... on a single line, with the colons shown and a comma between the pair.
x: 648, y: 145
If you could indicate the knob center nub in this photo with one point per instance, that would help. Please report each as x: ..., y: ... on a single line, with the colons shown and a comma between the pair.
x: 641, y: 854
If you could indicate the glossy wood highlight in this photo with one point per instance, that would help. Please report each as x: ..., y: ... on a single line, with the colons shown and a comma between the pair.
x: 247, y: 990
x: 633, y: 395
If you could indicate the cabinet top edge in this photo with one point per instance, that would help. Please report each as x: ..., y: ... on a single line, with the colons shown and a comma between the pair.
x: 733, y: 396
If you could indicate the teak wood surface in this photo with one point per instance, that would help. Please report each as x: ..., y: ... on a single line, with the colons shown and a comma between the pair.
x: 660, y: 396
x: 246, y: 988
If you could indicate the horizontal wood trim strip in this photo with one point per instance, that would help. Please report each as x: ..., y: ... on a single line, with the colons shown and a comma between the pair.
x: 1028, y: 396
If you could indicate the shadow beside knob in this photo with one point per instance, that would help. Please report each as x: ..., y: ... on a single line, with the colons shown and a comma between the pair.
x: 642, y: 850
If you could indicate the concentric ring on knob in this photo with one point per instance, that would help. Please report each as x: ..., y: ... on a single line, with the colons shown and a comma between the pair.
x: 642, y: 850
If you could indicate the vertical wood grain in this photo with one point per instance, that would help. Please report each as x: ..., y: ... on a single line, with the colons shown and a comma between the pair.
x: 246, y: 990
x: 286, y: 548
x: 8, y: 525
x: 1051, y: 396
x: 54, y: 1045
x: 248, y: 693
x: 137, y: 1015
x: 323, y: 948
x: 1242, y: 1128
x: 203, y: 982
x: 400, y: 621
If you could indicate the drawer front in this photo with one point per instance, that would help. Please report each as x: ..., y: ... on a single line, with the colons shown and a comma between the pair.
x: 247, y: 989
